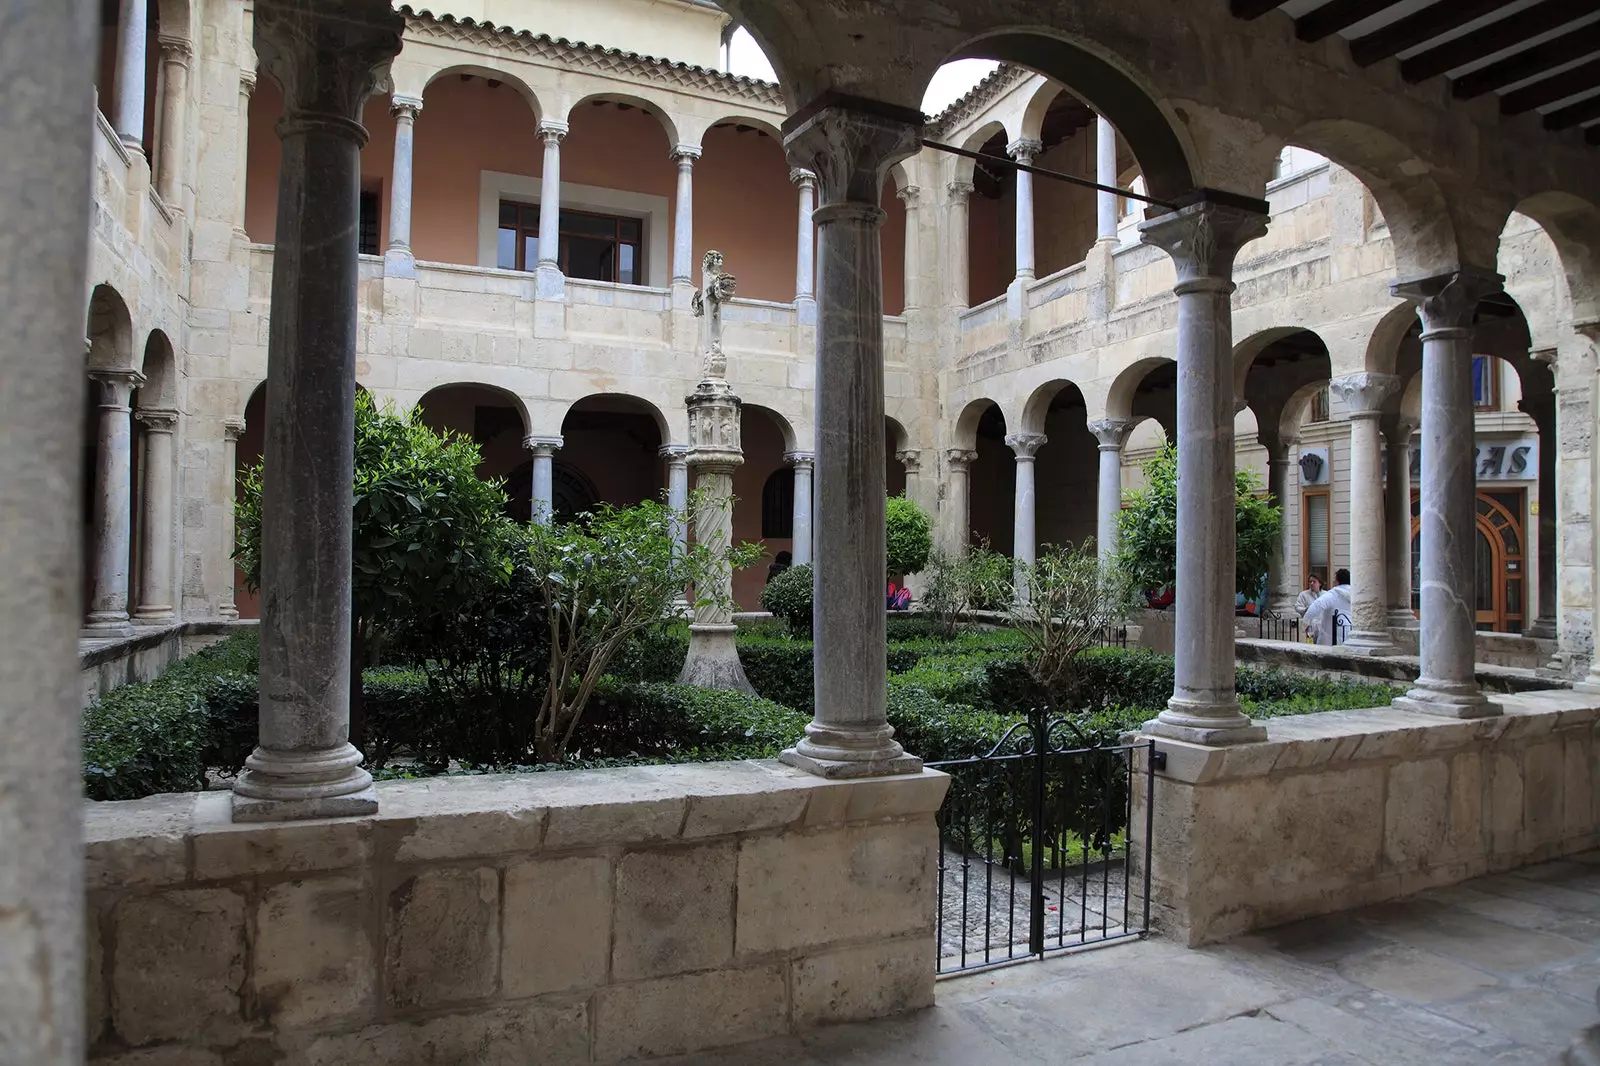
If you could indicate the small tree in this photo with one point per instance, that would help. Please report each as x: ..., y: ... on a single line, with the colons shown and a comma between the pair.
x: 910, y: 536
x: 1148, y: 528
x: 1073, y: 598
x: 427, y: 531
x: 603, y: 580
x: 979, y: 580
x: 788, y: 596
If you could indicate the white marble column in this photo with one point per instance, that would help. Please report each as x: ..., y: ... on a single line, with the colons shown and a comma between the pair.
x: 805, y: 253
x: 684, y: 155
x: 550, y: 283
x: 911, y: 197
x: 1023, y: 150
x: 677, y: 457
x: 305, y: 765
x: 133, y: 28
x: 1282, y: 453
x: 958, y: 499
x: 1365, y: 394
x: 802, y: 462
x: 1397, y: 431
x: 175, y: 55
x: 398, y: 259
x: 541, y: 493
x: 247, y: 88
x: 113, y: 501
x: 47, y: 127
x: 851, y: 153
x: 1447, y: 636
x: 1024, y: 538
x: 957, y: 236
x: 232, y: 430
x: 1112, y: 433
x: 1105, y: 173
x: 155, y: 574
x: 1203, y: 239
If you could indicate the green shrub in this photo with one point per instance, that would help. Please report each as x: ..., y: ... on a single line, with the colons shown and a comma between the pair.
x: 909, y: 536
x: 654, y: 655
x: 902, y: 628
x: 683, y: 723
x: 788, y: 597
x: 938, y: 731
x: 959, y: 678
x: 779, y: 669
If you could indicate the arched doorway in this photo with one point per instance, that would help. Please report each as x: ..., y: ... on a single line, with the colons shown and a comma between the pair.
x: 1500, y: 600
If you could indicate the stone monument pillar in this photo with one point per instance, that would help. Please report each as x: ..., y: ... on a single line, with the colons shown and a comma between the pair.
x: 714, y: 454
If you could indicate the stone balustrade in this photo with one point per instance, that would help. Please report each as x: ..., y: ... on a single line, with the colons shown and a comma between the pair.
x: 580, y: 917
x: 1346, y: 808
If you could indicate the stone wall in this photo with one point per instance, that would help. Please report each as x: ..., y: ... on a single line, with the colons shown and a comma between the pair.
x: 109, y: 664
x: 579, y: 917
x: 1346, y: 808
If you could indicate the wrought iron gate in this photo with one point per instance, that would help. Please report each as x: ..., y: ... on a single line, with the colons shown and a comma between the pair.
x: 1038, y: 846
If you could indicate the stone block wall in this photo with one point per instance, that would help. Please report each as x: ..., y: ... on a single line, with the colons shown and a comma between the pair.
x: 1346, y: 808
x: 584, y: 917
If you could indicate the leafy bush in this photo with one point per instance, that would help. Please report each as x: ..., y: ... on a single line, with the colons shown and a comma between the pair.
x: 1073, y: 598
x: 938, y: 731
x: 788, y: 596
x: 656, y: 655
x: 977, y: 580
x: 688, y: 724
x: 910, y: 537
x: 902, y: 628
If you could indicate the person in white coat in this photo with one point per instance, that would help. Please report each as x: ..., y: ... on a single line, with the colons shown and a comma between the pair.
x: 1308, y: 596
x: 1328, y: 617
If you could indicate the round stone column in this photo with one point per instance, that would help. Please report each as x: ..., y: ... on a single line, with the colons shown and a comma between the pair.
x: 911, y: 197
x: 133, y: 25
x: 1024, y: 539
x: 175, y: 55
x: 247, y: 88
x: 802, y: 462
x: 957, y: 499
x: 1023, y: 150
x: 398, y: 259
x: 541, y: 491
x: 327, y: 61
x: 805, y: 247
x: 677, y: 457
x: 851, y: 153
x: 1105, y: 173
x: 957, y: 239
x: 549, y: 283
x: 1365, y: 395
x: 232, y: 430
x: 683, y: 156
x: 1282, y: 453
x: 1112, y: 433
x: 1397, y: 432
x: 113, y: 502
x: 1203, y: 238
x: 155, y: 577
x: 1447, y: 304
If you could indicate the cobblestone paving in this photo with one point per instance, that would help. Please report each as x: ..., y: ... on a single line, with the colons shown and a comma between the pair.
x: 1501, y: 970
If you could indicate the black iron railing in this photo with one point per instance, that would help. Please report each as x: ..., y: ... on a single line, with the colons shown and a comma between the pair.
x: 1038, y: 847
x: 1114, y: 637
x: 1276, y: 627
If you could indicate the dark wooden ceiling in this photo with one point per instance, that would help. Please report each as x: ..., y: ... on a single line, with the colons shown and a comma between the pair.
x: 1539, y: 56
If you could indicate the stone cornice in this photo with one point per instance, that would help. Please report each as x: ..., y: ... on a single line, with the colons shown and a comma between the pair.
x: 977, y: 100
x: 425, y: 25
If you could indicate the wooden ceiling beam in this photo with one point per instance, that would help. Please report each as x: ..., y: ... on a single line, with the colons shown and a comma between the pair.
x: 1495, y: 37
x: 1253, y: 9
x: 1528, y: 62
x: 1339, y: 15
x: 1441, y: 18
x: 1549, y: 90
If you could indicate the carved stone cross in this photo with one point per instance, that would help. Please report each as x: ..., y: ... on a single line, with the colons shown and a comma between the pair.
x: 716, y: 288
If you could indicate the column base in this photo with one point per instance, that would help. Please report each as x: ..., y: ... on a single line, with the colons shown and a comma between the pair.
x: 1370, y: 642
x: 280, y: 786
x: 835, y: 753
x: 713, y: 659
x: 1447, y: 699
x: 549, y: 283
x: 1209, y: 724
x: 228, y: 612
x: 399, y: 263
x: 1403, y: 618
x: 1589, y: 683
x: 805, y: 311
x: 1543, y: 629
x: 154, y: 616
x: 104, y: 625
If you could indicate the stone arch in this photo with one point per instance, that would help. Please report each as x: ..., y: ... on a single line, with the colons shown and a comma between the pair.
x: 974, y: 142
x: 653, y: 108
x: 1066, y: 465
x: 697, y: 128
x: 1036, y: 409
x: 966, y: 427
x: 1125, y: 387
x: 1245, y: 352
x: 612, y: 441
x: 1383, y: 347
x: 895, y: 440
x: 110, y: 331
x: 1573, y: 225
x: 159, y: 366
x: 743, y: 172
x: 1274, y: 365
x: 1109, y: 87
x: 486, y: 394
x: 766, y: 436
x: 491, y: 73
x: 1292, y: 416
x: 1039, y: 100
x: 791, y: 441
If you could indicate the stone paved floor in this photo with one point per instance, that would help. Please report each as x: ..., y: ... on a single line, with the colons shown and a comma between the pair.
x: 984, y: 903
x: 1500, y: 970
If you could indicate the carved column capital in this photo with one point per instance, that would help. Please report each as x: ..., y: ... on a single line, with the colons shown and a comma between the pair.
x: 1398, y: 429
x: 802, y: 177
x: 1203, y: 239
x: 405, y: 107
x: 116, y: 387
x: 542, y: 446
x: 1447, y: 303
x: 1025, y: 149
x: 685, y: 155
x: 551, y: 131
x: 910, y: 458
x: 909, y: 196
x: 674, y: 454
x: 1364, y: 393
x: 174, y: 48
x: 851, y: 151
x: 1025, y: 445
x: 960, y: 458
x: 156, y: 419
x: 1112, y: 433
x: 959, y: 191
x: 247, y: 82
x: 232, y: 428
x: 800, y: 459
x: 327, y: 62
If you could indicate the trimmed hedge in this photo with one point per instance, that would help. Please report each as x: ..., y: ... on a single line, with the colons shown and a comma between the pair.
x: 682, y: 723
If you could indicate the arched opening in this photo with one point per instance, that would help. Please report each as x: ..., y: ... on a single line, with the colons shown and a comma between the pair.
x: 746, y: 208
x: 992, y: 483
x: 895, y: 441
x: 991, y: 216
x: 761, y: 487
x: 494, y: 420
x: 153, y: 476
x: 610, y: 453
x: 1066, y: 467
x: 110, y: 364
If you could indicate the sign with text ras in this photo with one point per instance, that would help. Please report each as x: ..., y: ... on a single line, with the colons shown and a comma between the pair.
x: 1499, y: 460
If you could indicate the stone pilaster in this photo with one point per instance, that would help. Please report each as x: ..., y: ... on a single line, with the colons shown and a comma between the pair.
x: 958, y: 499
x: 683, y: 156
x: 1447, y: 303
x: 957, y: 239
x: 1397, y: 432
x: 803, y: 463
x: 1203, y: 239
x: 1105, y: 173
x: 1024, y: 540
x: 851, y: 153
x: 550, y: 283
x: 232, y: 430
x: 715, y: 452
x: 133, y: 24
x: 328, y: 59
x: 398, y: 259
x: 113, y: 502
x: 805, y: 253
x: 1112, y: 433
x: 176, y: 53
x: 1366, y: 394
x: 541, y: 490
x: 155, y: 577
x: 1575, y: 488
x: 241, y: 176
x: 1282, y: 455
